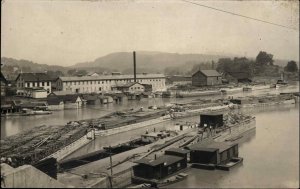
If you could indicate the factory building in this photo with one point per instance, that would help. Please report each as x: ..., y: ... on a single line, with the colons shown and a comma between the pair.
x: 106, y: 83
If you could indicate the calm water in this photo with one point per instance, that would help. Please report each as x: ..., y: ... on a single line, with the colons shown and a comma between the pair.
x: 271, y: 156
x: 14, y: 125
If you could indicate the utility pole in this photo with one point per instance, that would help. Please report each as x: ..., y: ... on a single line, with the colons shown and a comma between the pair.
x: 110, y: 159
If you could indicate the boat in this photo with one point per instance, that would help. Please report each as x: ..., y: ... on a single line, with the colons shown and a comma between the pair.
x: 27, y: 111
x: 173, y: 179
x: 232, y: 162
x: 247, y: 89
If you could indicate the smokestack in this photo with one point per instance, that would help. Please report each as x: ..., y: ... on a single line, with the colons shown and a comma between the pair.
x: 134, y: 66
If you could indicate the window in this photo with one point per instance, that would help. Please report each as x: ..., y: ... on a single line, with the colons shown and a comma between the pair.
x: 43, y: 83
x: 91, y: 82
x: 102, y: 82
x: 98, y: 82
x: 178, y: 165
x: 48, y: 83
x: 99, y: 88
x: 33, y: 84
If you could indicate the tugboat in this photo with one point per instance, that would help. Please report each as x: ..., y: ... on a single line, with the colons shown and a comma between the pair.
x: 280, y: 82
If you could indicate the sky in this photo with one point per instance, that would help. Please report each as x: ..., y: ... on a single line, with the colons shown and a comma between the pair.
x: 66, y: 32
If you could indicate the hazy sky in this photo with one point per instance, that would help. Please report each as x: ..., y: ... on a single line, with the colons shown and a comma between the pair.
x: 68, y: 32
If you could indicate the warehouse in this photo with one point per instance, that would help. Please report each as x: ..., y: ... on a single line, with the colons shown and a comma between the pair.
x: 206, y: 78
x: 214, y: 153
x: 105, y: 83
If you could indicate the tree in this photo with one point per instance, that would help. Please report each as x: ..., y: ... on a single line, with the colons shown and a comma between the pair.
x: 71, y: 72
x: 264, y: 58
x: 291, y: 67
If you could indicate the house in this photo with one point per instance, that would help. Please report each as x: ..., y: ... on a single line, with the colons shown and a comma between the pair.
x: 34, y: 92
x: 10, y: 107
x: 105, y: 83
x: 3, y: 85
x: 158, y: 168
x: 178, y: 80
x: 71, y: 101
x: 91, y: 99
x: 132, y: 87
x: 238, y: 77
x: 211, y: 120
x: 212, y: 154
x: 32, y: 80
x: 206, y: 78
x: 54, y: 102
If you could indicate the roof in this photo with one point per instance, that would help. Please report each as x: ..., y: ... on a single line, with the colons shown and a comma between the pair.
x: 89, y: 97
x: 164, y: 159
x: 53, y: 100
x: 128, y: 84
x: 70, y: 97
x: 35, y: 77
x: 178, y: 150
x: 112, y: 77
x: 209, y: 73
x: 2, y: 78
x: 36, y: 89
x: 212, y: 114
x: 211, y: 147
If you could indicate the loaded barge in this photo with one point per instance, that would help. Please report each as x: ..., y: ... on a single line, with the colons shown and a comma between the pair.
x: 59, y: 141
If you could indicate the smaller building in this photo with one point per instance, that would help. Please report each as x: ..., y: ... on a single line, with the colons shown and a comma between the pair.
x: 206, y: 78
x: 214, y: 153
x: 159, y: 168
x: 71, y: 101
x: 132, y: 87
x: 35, y: 92
x: 54, y: 102
x: 211, y: 120
x: 91, y: 99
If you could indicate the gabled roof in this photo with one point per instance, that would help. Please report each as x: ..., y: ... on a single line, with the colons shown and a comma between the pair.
x: 54, y: 101
x: 69, y: 98
x: 211, y: 147
x: 209, y: 73
x: 89, y: 97
x: 112, y: 77
x: 2, y: 78
x: 35, y: 77
x: 129, y: 84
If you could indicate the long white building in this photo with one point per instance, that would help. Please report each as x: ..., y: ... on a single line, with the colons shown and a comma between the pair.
x: 105, y: 83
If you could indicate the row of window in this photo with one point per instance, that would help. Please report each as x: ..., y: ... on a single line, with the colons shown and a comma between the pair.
x: 34, y: 84
x: 102, y: 82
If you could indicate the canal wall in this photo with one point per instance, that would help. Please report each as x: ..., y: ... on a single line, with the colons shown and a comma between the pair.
x: 67, y: 150
x: 132, y: 126
x: 27, y: 176
x: 119, y: 180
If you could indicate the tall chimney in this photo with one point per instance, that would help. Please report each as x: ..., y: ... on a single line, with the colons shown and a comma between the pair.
x: 134, y: 67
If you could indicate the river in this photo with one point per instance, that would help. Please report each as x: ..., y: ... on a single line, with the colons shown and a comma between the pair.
x: 271, y: 156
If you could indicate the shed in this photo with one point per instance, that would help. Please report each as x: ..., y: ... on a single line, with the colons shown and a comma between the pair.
x: 211, y: 119
x: 212, y: 153
x: 159, y: 168
x: 206, y: 78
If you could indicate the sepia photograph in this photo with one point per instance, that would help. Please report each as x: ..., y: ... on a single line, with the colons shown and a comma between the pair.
x: 149, y: 94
